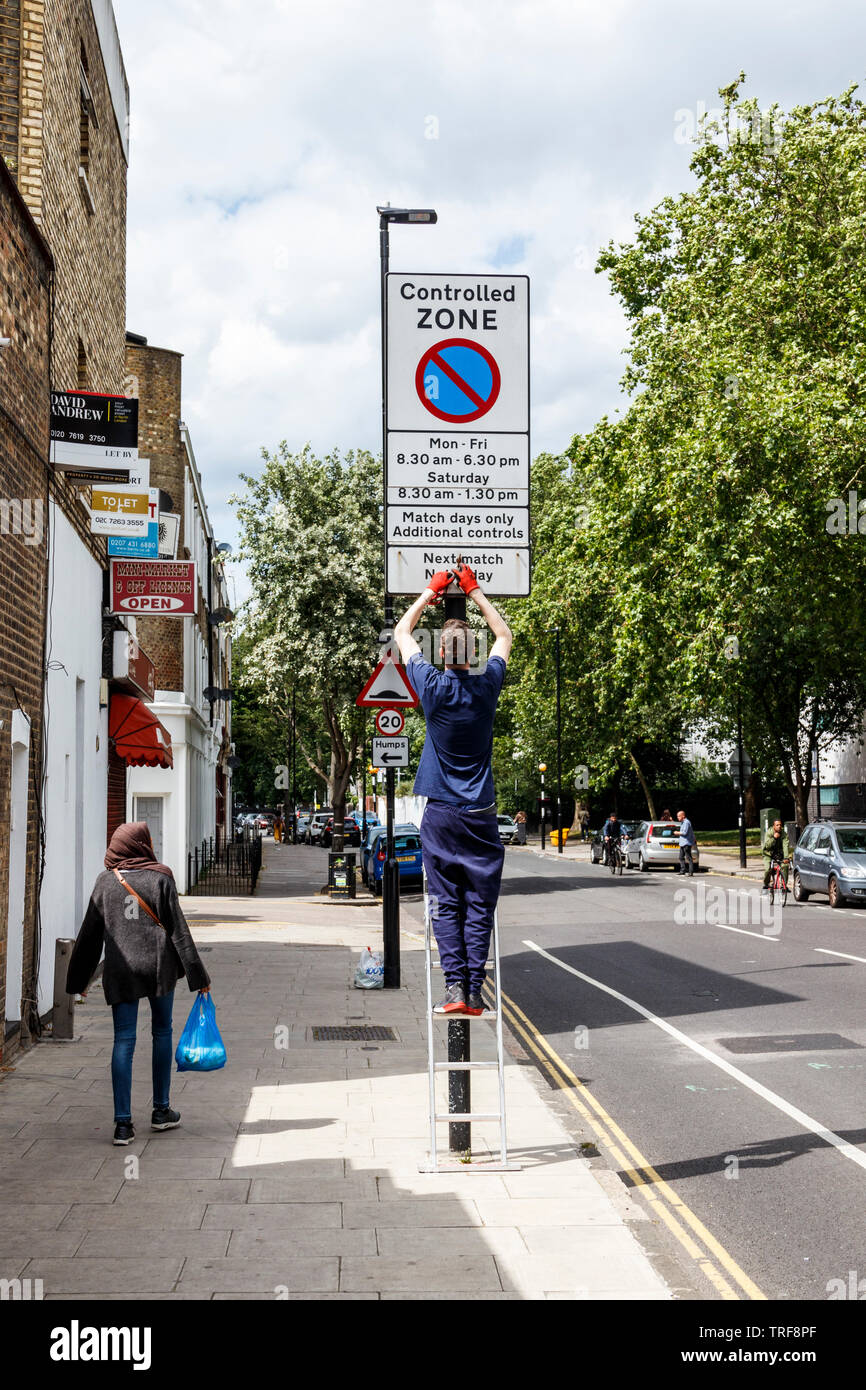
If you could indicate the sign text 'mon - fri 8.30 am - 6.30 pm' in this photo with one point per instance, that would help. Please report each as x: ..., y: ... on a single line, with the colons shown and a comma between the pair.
x: 457, y: 474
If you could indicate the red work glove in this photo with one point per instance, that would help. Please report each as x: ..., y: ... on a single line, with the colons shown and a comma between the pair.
x: 439, y: 581
x: 466, y: 579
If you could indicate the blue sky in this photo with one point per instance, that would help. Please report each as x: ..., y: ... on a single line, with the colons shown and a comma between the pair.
x: 265, y: 132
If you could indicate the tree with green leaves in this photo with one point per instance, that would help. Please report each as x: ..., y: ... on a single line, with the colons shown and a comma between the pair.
x: 745, y: 299
x: 686, y: 548
x: 311, y: 536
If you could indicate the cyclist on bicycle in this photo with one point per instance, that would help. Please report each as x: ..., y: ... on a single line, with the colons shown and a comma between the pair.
x: 776, y: 850
x: 611, y: 835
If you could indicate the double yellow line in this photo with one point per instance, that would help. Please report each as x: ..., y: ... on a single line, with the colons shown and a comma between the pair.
x: 663, y: 1202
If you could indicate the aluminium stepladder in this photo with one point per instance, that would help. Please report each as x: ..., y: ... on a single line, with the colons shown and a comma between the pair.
x: 434, y: 1164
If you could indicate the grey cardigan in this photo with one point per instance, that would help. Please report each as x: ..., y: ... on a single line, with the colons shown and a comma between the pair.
x: 141, y: 959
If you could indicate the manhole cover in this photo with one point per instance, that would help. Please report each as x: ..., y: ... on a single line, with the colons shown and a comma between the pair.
x: 788, y: 1042
x: 371, y: 1032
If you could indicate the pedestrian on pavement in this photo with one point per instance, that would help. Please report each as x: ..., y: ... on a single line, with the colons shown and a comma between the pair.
x: 278, y: 829
x: 584, y: 826
x: 461, y: 849
x: 520, y: 822
x: 135, y: 914
x: 776, y: 849
x: 687, y: 844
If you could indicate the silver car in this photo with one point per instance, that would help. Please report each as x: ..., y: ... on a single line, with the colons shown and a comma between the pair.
x: 656, y: 845
x: 831, y: 858
x: 507, y: 830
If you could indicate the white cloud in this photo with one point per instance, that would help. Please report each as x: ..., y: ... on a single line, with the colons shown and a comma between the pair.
x: 264, y: 132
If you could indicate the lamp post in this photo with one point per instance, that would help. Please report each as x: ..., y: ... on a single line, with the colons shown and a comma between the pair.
x: 391, y: 871
x: 542, y: 768
x: 555, y: 630
x: 732, y: 652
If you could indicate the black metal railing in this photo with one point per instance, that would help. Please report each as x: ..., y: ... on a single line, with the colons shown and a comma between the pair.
x: 224, y: 866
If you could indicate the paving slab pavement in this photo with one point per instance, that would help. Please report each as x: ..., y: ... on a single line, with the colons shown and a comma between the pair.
x: 295, y: 1173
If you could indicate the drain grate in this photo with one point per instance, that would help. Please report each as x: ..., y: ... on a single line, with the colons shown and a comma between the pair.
x: 339, y: 1032
x: 789, y: 1042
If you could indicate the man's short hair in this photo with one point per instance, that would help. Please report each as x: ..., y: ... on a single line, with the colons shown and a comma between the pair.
x: 458, y: 642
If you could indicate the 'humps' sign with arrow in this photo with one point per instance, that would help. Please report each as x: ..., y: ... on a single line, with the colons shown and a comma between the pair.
x: 391, y: 752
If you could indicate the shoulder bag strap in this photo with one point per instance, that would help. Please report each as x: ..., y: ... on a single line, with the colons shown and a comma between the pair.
x: 129, y: 888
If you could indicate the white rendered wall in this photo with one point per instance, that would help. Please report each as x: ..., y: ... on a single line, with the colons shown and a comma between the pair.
x: 74, y: 655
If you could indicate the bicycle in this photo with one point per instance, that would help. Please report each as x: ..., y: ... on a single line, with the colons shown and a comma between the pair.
x: 777, y: 882
x: 615, y: 857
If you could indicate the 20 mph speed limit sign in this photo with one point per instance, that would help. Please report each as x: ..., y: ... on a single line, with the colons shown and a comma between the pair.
x: 390, y: 721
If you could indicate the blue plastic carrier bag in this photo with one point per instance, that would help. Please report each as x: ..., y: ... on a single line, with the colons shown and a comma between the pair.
x: 200, y: 1047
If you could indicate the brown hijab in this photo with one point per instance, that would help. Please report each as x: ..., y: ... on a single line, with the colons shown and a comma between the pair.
x: 131, y: 847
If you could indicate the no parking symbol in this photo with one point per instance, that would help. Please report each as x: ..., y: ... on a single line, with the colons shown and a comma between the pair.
x: 458, y: 380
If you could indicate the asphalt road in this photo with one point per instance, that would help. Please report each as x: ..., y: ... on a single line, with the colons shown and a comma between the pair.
x: 768, y: 1046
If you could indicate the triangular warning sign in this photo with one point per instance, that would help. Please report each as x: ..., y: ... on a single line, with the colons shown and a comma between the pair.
x: 388, y: 685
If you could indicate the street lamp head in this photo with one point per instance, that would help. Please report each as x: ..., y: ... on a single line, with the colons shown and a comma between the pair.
x: 389, y: 214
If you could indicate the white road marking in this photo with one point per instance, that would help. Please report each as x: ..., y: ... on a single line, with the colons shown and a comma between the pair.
x: 778, y: 1102
x: 824, y: 952
x: 741, y: 930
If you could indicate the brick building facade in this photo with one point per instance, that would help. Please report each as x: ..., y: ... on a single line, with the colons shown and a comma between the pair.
x: 25, y: 296
x: 189, y: 803
x: 64, y: 141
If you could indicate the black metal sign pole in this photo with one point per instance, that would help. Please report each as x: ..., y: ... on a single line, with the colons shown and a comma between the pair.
x: 391, y: 872
x: 459, y: 1046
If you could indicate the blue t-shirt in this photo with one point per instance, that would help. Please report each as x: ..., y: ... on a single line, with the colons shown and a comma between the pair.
x: 687, y: 835
x: 459, y: 707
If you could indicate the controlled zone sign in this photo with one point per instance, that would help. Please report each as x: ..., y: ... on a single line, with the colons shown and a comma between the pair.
x: 457, y: 425
x: 388, y: 685
x: 390, y: 752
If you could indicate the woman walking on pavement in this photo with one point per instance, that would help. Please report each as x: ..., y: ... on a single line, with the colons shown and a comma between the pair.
x: 135, y: 914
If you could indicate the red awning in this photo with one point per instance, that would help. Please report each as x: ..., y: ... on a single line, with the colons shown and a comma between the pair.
x: 137, y: 734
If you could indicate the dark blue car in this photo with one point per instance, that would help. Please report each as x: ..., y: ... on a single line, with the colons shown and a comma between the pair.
x: 407, y: 852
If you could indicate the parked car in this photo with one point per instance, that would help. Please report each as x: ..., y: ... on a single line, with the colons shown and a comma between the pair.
x: 318, y: 821
x: 265, y: 820
x: 371, y: 846
x: 407, y: 852
x: 656, y: 845
x: 596, y: 846
x: 830, y: 857
x: 373, y: 833
x: 351, y: 833
x: 303, y: 820
x: 507, y: 830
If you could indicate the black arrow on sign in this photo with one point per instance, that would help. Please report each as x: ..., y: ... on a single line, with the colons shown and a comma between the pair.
x: 390, y: 757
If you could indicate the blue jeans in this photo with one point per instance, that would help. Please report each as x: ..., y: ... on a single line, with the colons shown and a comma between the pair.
x: 125, y: 1024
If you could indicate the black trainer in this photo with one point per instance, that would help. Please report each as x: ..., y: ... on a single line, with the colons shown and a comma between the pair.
x: 164, y: 1119
x: 123, y: 1132
x: 475, y: 1004
x: 454, y: 1001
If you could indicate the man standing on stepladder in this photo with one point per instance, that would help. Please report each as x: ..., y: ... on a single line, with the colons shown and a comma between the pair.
x: 462, y: 852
